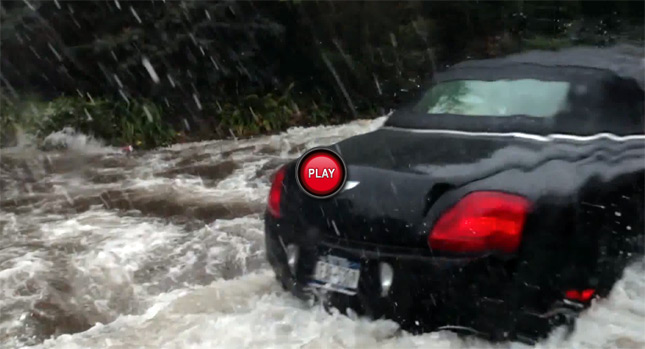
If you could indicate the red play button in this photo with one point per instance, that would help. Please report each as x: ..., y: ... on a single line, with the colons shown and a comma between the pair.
x: 321, y: 173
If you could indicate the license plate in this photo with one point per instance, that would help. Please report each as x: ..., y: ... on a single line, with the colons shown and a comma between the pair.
x: 336, y: 274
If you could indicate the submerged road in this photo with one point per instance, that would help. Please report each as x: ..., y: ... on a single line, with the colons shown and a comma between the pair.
x: 164, y: 249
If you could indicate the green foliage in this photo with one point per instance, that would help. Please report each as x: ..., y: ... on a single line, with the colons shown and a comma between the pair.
x: 136, y: 123
x: 16, y: 115
x: 347, y: 60
x: 269, y: 113
x: 9, y: 117
x: 546, y: 43
x: 8, y: 124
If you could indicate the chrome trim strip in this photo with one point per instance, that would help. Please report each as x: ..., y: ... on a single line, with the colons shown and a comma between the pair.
x: 350, y: 185
x: 534, y: 137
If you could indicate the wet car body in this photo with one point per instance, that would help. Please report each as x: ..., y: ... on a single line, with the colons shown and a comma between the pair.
x: 576, y: 175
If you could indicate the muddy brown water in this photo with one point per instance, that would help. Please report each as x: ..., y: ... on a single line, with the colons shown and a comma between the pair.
x: 165, y: 249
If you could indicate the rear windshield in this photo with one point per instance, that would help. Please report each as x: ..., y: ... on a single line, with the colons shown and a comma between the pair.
x: 500, y: 98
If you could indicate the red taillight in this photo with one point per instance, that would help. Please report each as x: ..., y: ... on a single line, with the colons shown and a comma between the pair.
x: 275, y: 194
x: 581, y: 296
x: 481, y: 221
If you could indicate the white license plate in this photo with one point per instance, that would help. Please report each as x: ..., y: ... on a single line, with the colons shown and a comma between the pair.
x: 336, y: 274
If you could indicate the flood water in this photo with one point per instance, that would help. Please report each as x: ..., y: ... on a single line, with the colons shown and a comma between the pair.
x: 164, y: 249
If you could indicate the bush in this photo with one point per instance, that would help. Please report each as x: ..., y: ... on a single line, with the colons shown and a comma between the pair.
x: 141, y: 123
x: 137, y: 122
x: 547, y: 43
x: 19, y: 116
x: 269, y: 113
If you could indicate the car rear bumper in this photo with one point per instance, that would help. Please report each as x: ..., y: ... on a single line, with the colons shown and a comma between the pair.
x: 426, y: 292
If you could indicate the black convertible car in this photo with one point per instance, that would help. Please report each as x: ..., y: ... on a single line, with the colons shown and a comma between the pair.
x: 501, y: 201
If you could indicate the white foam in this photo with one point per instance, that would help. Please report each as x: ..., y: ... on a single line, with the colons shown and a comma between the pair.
x: 70, y: 139
x: 253, y: 312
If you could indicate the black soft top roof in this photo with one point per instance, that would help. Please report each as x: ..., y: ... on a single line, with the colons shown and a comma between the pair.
x: 625, y: 61
x: 613, y: 79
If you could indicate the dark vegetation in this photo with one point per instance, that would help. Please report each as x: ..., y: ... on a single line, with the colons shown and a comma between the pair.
x: 149, y: 73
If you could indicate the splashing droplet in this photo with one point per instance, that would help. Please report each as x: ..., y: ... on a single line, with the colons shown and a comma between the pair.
x: 135, y: 14
x: 153, y: 74
x: 148, y: 114
x: 199, y: 104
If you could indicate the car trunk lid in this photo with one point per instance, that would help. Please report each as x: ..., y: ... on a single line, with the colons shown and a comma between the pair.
x: 392, y: 183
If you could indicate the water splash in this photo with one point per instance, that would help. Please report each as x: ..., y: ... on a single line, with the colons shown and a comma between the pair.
x: 164, y: 249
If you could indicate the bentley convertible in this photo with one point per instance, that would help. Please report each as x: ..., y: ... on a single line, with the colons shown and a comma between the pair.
x: 501, y: 201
